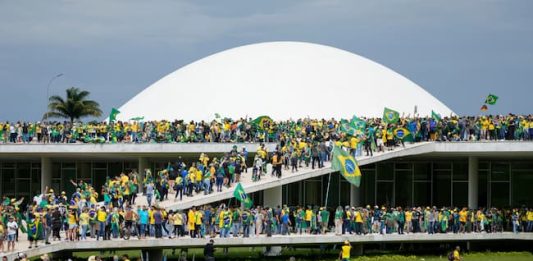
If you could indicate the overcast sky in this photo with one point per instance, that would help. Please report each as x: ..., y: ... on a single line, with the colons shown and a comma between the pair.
x: 458, y: 50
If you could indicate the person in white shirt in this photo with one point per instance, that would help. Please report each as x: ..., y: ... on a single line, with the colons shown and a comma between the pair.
x: 12, y: 228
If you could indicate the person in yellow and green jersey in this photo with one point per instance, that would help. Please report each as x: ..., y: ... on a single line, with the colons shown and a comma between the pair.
x: 101, y: 217
x: 344, y: 255
x: 191, y: 222
x: 308, y: 216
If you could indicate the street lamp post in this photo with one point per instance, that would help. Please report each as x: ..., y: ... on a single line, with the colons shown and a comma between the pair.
x: 45, y: 117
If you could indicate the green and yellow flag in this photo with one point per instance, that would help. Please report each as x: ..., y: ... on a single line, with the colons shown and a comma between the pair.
x: 358, y: 123
x: 390, y: 116
x: 403, y: 134
x: 113, y: 114
x: 141, y: 118
x: 491, y: 99
x: 435, y: 116
x: 261, y: 122
x: 241, y: 196
x: 344, y: 163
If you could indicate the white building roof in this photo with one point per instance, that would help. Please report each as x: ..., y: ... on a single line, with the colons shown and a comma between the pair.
x: 282, y: 80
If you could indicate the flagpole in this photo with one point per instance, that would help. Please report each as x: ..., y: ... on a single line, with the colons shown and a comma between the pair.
x: 327, y: 191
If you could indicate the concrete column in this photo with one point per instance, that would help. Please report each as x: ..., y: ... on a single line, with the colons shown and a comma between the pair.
x: 473, y: 182
x: 143, y: 164
x: 46, y: 173
x: 355, y: 196
x: 272, y: 197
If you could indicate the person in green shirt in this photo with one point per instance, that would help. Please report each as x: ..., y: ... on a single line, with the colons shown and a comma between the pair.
x: 324, y: 220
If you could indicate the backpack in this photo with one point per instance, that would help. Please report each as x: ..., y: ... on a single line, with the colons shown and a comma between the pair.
x: 450, y: 256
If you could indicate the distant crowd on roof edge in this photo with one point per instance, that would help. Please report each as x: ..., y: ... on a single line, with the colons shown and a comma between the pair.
x: 264, y: 129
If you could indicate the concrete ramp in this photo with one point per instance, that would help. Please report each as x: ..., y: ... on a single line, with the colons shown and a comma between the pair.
x: 288, y: 177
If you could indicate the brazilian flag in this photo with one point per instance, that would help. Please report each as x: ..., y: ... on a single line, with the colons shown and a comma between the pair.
x: 403, y: 134
x: 390, y: 116
x: 241, y: 196
x: 358, y: 123
x: 262, y: 121
x: 491, y: 99
x: 113, y: 114
x: 344, y: 163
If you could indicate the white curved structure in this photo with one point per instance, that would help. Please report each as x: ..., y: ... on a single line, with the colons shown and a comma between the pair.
x: 283, y: 80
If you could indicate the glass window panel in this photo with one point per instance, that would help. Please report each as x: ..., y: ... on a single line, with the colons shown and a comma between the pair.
x: 385, y: 193
x: 344, y: 199
x: 442, y: 191
x: 23, y: 188
x: 293, y: 194
x: 84, y: 170
x: 23, y: 171
x: 66, y: 176
x: 56, y: 184
x: 403, y: 165
x: 115, y: 168
x: 422, y: 194
x: 368, y: 186
x: 460, y: 194
x: 403, y: 190
x: 385, y: 171
x: 499, y: 194
x: 36, y: 175
x: 56, y: 170
x: 483, y: 165
x: 460, y: 170
x: 130, y: 165
x: 8, y: 182
x: 522, y: 165
x: 99, y: 179
x: 68, y: 165
x: 8, y: 165
x: 100, y: 165
x: 482, y: 188
x: 442, y: 165
x: 368, y: 167
x: 313, y: 192
x: 499, y: 171
x: 522, y: 181
x: 422, y: 171
x: 35, y: 165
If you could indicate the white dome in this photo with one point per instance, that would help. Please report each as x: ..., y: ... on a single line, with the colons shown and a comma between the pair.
x: 282, y: 80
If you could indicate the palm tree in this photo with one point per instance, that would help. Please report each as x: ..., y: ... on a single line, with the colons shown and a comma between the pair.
x: 74, y: 107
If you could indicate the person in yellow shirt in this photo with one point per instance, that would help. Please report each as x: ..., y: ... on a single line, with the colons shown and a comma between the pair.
x: 456, y: 254
x: 191, y: 222
x: 408, y: 220
x: 462, y: 220
x: 101, y: 217
x: 177, y: 219
x: 345, y: 251
x: 308, y: 216
x: 84, y: 224
x: 198, y: 224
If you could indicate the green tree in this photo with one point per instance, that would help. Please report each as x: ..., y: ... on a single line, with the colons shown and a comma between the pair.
x: 75, y: 106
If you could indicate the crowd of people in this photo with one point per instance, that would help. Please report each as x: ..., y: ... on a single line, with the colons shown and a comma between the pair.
x: 111, y: 212
x: 452, y: 128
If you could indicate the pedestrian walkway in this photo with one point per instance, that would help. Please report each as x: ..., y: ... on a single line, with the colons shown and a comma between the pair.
x: 268, y: 181
x: 275, y: 240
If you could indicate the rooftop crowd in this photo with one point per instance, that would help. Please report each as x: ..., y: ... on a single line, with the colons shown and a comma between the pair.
x: 453, y: 128
x: 111, y: 212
